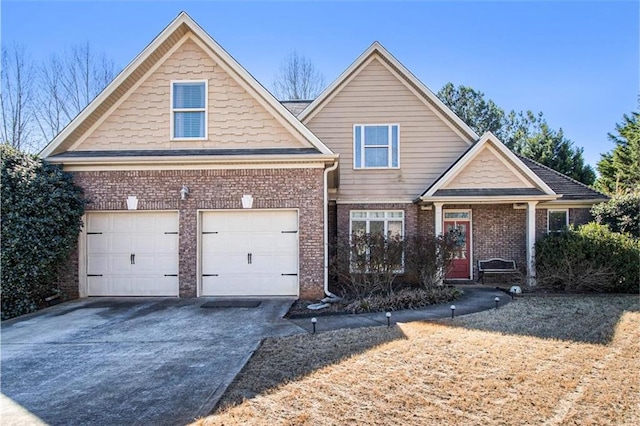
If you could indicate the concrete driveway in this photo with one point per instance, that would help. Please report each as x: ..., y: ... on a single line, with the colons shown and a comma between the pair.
x: 128, y: 361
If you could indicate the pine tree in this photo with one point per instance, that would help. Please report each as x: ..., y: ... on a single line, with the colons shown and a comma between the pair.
x: 620, y: 169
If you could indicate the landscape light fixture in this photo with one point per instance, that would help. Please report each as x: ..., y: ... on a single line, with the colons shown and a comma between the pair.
x: 388, y: 315
x: 313, y: 322
x: 184, y: 192
x: 497, y: 300
x: 453, y: 311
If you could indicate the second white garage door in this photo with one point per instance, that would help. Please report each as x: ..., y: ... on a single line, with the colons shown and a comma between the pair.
x: 249, y: 253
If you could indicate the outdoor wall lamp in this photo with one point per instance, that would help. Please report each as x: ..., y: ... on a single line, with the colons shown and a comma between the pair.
x: 184, y: 192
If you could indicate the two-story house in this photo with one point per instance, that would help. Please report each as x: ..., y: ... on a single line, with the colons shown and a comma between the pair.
x: 202, y: 184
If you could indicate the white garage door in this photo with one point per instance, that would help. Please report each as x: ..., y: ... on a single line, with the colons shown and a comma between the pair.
x: 132, y: 254
x: 250, y: 253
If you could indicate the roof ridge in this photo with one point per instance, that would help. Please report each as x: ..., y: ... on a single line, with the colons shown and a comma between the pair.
x: 560, y: 174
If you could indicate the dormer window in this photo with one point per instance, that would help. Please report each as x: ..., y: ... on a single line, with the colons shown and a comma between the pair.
x: 189, y: 109
x: 376, y: 146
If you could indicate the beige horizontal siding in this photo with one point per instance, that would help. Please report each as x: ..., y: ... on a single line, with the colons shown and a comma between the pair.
x: 486, y: 170
x: 375, y: 95
x: 235, y: 118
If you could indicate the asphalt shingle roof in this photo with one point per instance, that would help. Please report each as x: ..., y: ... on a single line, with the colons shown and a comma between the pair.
x: 561, y: 184
x: 296, y: 107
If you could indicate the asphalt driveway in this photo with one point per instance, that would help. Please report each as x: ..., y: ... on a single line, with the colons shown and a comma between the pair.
x: 128, y: 361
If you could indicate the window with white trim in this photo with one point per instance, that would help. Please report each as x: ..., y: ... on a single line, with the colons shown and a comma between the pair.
x: 376, y: 240
x: 376, y: 146
x: 557, y: 220
x: 385, y: 222
x: 189, y: 109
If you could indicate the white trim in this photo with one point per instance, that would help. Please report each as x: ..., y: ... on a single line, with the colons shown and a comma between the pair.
x: 82, y: 259
x: 566, y: 218
x: 360, y: 62
x: 374, y: 202
x: 469, y: 236
x: 199, y: 214
x: 173, y: 110
x: 385, y: 219
x: 325, y: 230
x: 193, y: 163
x: 361, y: 142
x: 487, y: 138
x: 531, y: 243
x: 578, y: 204
x: 503, y: 199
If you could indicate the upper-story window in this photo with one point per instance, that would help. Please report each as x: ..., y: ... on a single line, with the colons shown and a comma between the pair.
x: 557, y: 220
x: 189, y: 109
x: 376, y: 146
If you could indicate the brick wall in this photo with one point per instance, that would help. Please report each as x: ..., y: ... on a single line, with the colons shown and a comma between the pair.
x: 219, y: 189
x: 499, y: 230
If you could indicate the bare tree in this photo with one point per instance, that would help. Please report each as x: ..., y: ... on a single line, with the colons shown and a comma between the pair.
x: 68, y: 84
x: 15, y: 100
x: 298, y: 79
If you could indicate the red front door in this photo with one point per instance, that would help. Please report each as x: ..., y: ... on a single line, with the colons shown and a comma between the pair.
x: 460, y: 265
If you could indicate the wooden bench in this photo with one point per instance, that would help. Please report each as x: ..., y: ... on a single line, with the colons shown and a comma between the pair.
x: 495, y: 266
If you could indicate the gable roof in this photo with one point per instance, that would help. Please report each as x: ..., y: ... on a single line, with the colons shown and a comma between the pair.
x: 405, y: 76
x: 145, y: 62
x: 540, y: 190
x: 562, y: 184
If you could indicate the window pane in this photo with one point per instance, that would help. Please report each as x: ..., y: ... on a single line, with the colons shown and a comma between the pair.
x: 396, y: 215
x: 376, y: 135
x: 188, y: 95
x: 188, y: 124
x: 357, y: 152
x: 376, y: 157
x: 456, y: 215
x: 395, y: 228
x: 376, y: 214
x: 394, y: 146
x: 557, y: 221
x: 358, y: 227
x: 376, y: 227
x: 358, y: 215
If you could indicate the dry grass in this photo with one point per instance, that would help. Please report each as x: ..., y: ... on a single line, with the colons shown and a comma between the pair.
x: 553, y: 361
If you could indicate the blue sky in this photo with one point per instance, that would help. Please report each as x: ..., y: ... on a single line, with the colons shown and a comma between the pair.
x: 576, y: 61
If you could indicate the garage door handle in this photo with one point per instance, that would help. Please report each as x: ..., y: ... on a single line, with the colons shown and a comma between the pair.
x: 170, y: 275
x: 94, y: 275
x: 133, y: 259
x: 289, y: 275
x: 249, y: 258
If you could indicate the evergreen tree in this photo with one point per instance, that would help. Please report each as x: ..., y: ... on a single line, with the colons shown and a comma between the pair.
x: 524, y: 133
x: 620, y: 169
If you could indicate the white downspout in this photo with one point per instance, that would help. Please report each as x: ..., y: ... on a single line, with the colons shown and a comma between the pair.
x: 326, y: 228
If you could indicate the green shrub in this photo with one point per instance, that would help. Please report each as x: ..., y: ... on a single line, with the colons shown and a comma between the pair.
x: 41, y: 220
x: 620, y: 214
x: 404, y: 299
x: 590, y: 258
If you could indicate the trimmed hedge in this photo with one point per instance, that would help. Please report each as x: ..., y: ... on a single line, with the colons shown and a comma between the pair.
x: 41, y: 220
x: 589, y: 258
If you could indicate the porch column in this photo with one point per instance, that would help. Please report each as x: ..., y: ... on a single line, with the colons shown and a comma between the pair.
x: 438, y: 217
x: 531, y: 240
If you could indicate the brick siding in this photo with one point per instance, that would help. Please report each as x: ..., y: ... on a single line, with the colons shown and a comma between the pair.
x: 301, y: 189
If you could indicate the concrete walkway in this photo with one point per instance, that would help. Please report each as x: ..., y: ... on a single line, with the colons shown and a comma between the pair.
x: 475, y: 299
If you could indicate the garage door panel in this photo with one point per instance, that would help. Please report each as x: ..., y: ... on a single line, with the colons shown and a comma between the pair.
x: 234, y: 285
x: 129, y: 254
x: 271, y: 240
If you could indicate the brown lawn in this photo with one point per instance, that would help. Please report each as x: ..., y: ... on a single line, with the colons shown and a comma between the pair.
x: 550, y: 360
